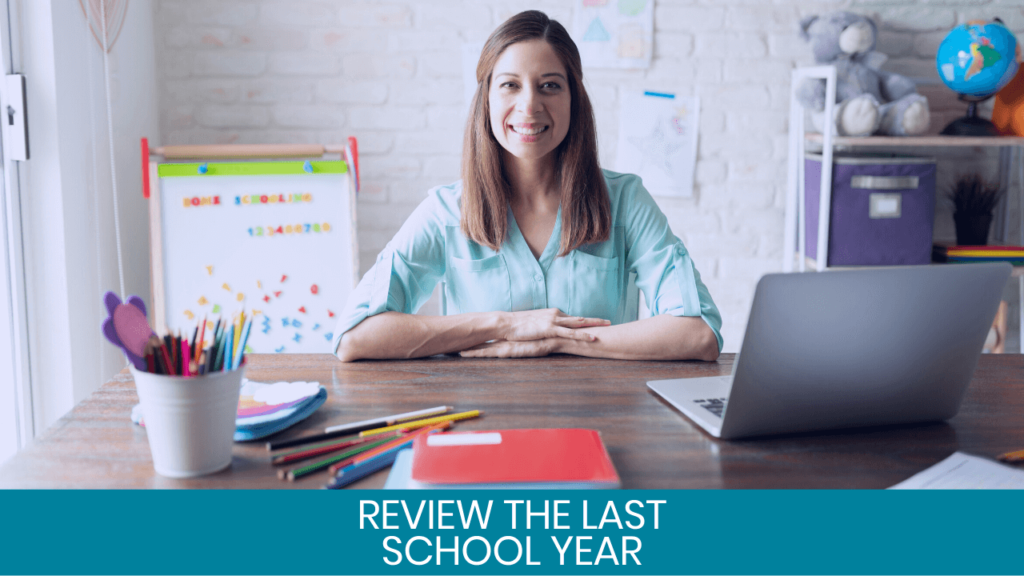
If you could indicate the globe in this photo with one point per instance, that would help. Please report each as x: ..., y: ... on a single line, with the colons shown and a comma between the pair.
x: 978, y: 58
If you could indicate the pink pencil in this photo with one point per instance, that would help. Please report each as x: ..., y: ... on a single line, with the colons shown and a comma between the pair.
x: 186, y: 359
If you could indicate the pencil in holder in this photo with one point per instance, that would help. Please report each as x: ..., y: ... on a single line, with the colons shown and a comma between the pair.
x: 190, y: 421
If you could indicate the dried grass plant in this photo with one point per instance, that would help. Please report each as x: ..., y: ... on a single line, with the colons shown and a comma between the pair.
x: 972, y: 194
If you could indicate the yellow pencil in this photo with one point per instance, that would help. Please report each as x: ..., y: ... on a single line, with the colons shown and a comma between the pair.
x: 424, y: 422
x: 238, y: 328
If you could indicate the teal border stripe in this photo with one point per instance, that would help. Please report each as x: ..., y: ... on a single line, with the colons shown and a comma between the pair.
x: 251, y: 168
x: 700, y: 532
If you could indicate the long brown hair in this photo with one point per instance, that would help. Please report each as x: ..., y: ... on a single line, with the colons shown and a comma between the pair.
x: 486, y: 190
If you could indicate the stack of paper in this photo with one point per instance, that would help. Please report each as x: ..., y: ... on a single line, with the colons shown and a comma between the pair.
x: 963, y: 471
x: 531, y: 458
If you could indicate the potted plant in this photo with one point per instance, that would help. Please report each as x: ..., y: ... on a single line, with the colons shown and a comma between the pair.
x: 974, y: 199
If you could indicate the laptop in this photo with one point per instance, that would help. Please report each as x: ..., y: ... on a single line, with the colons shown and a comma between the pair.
x: 849, y: 348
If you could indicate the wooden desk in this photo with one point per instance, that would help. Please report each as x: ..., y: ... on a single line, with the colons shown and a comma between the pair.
x: 653, y: 446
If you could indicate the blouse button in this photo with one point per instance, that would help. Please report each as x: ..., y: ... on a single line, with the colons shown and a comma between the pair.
x: 539, y: 277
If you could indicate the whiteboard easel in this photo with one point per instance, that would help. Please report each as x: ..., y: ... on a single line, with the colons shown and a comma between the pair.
x: 274, y: 233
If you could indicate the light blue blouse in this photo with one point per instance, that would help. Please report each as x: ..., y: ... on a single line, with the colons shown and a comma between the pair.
x: 596, y: 280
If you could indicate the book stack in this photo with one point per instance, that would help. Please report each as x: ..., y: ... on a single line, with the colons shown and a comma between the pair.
x: 265, y: 409
x: 570, y: 458
x: 1012, y: 254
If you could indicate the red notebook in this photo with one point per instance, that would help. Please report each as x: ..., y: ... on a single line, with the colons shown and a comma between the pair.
x: 555, y: 458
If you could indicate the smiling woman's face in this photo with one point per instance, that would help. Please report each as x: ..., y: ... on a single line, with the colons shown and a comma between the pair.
x: 529, y: 100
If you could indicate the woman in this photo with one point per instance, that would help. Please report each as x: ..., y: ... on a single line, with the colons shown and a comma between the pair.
x: 536, y: 244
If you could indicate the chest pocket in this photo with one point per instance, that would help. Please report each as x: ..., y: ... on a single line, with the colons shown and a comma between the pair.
x: 478, y: 285
x: 597, y: 286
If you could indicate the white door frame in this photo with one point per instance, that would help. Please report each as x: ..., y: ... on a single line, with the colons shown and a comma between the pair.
x: 17, y: 422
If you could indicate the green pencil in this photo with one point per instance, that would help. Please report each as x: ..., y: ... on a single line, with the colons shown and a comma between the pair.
x: 324, y: 463
x: 218, y: 364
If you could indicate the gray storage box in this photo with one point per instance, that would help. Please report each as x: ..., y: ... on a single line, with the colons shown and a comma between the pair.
x: 882, y: 210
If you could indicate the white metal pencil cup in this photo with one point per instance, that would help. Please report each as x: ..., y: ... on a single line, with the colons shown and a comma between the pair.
x: 190, y: 422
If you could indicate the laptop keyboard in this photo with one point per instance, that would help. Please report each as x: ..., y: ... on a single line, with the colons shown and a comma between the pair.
x: 714, y: 405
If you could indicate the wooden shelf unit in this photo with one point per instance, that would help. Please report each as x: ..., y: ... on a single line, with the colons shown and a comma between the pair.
x: 934, y: 141
x: 1011, y: 151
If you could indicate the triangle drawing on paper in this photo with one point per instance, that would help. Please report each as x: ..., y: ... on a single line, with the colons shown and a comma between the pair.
x: 596, y: 32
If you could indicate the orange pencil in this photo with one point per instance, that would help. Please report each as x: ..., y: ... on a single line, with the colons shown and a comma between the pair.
x: 1015, y: 456
x: 199, y: 344
x: 385, y: 447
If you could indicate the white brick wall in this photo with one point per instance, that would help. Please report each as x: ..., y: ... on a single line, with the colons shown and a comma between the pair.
x: 389, y: 73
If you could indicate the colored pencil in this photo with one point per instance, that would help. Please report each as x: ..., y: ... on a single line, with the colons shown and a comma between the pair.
x: 425, y: 422
x: 185, y: 359
x: 216, y: 336
x: 248, y: 330
x: 301, y: 471
x: 1015, y: 456
x: 169, y: 344
x: 202, y: 337
x: 192, y: 342
x: 348, y: 464
x: 148, y: 353
x: 395, y: 442
x: 166, y: 355
x: 387, y: 420
x: 229, y: 349
x: 222, y: 363
x: 218, y: 363
x: 343, y: 430
x: 326, y: 448
x: 241, y: 346
x: 307, y: 446
x: 237, y: 334
x: 357, y: 472
x: 158, y: 363
x: 154, y: 344
x: 177, y: 353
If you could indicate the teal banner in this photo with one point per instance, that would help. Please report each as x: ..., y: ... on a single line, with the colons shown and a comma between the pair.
x: 511, y: 532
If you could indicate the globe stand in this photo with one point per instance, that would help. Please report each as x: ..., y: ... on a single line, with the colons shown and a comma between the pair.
x: 971, y: 124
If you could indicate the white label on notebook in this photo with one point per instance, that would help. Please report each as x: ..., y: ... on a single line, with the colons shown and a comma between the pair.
x: 464, y: 439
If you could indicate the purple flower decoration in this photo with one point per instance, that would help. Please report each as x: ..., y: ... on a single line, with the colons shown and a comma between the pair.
x: 127, y: 328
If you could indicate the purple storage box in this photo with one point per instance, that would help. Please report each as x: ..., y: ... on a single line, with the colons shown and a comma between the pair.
x: 883, y: 208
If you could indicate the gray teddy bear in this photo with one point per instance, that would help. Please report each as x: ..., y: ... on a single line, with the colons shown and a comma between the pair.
x: 869, y: 100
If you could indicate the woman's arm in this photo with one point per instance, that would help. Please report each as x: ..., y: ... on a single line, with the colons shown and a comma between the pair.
x: 663, y: 337
x: 394, y: 335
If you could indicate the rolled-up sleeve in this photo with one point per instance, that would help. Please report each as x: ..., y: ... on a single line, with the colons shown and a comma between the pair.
x: 405, y: 272
x: 664, y: 270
